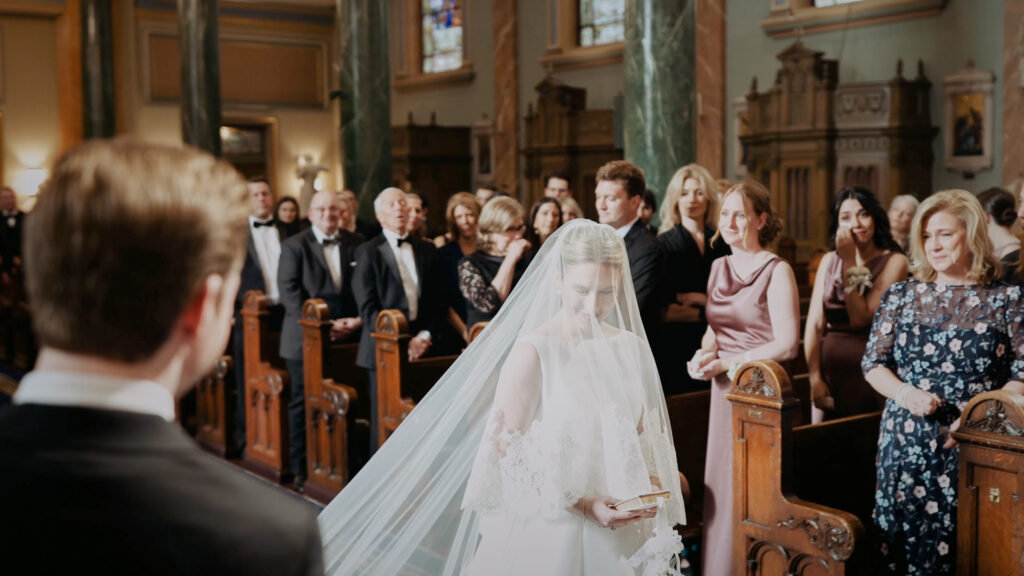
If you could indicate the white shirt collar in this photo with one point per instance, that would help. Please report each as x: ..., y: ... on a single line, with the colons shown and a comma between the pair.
x: 621, y: 232
x: 95, y: 391
x: 319, y: 234
x: 391, y: 237
x: 253, y: 220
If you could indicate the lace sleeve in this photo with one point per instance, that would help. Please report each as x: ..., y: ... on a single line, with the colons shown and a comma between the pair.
x: 879, y: 351
x: 477, y: 291
x: 659, y: 453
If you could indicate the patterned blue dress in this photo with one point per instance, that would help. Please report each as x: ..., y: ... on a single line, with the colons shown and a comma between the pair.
x: 955, y: 342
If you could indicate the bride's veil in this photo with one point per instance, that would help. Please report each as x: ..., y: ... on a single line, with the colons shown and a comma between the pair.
x: 409, y: 510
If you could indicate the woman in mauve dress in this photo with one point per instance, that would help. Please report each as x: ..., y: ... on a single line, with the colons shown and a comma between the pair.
x: 847, y: 291
x: 753, y: 313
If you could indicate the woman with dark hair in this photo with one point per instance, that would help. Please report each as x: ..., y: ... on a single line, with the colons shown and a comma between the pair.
x: 287, y: 215
x: 848, y: 288
x: 1001, y: 209
x: 545, y: 218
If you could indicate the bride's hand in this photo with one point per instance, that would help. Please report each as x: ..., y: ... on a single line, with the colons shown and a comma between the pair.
x: 599, y: 510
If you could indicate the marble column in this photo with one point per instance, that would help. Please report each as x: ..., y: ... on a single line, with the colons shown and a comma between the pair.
x: 200, y: 74
x: 97, y: 70
x: 365, y: 85
x: 506, y: 96
x: 660, y: 86
x: 1013, y: 94
x: 710, y: 109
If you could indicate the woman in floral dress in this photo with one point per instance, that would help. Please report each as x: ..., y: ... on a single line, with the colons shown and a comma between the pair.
x: 938, y: 340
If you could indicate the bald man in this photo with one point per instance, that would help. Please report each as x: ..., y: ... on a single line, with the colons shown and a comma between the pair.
x: 315, y: 263
x: 396, y: 271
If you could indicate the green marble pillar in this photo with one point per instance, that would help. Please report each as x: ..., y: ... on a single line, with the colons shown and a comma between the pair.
x: 97, y: 70
x: 660, y: 78
x: 365, y: 86
x: 200, y: 74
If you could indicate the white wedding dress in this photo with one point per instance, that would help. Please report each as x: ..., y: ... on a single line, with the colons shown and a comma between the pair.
x: 557, y: 400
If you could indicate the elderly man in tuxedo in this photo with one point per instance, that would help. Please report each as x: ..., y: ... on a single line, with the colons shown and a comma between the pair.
x: 315, y: 263
x: 259, y: 272
x: 620, y: 190
x: 96, y: 477
x: 396, y: 271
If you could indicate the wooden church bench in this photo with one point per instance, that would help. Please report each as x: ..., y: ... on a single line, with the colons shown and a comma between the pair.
x: 400, y: 382
x: 266, y: 388
x: 337, y: 406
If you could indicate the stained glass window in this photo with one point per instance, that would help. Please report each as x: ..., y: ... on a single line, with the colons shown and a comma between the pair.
x: 442, y: 35
x: 602, y: 22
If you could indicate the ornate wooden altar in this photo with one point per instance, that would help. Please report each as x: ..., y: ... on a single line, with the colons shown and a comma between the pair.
x: 807, y: 136
x: 563, y: 136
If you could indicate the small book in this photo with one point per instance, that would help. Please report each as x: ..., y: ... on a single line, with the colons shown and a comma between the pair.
x: 641, y: 501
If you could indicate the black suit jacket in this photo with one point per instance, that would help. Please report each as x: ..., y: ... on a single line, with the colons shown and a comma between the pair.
x: 647, y: 266
x: 378, y: 286
x: 86, y: 491
x: 303, y: 274
x: 252, y: 272
x: 10, y: 240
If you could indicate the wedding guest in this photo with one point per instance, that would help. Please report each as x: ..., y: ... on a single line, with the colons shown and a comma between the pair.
x: 619, y: 192
x: 462, y: 214
x: 950, y: 333
x: 648, y: 207
x: 557, y: 185
x: 570, y: 209
x: 545, y: 217
x: 485, y: 192
x: 901, y: 214
x: 487, y: 276
x: 417, y: 216
x: 353, y: 222
x: 10, y: 230
x: 286, y: 215
x: 688, y: 217
x: 848, y: 288
x: 1001, y: 209
x: 92, y: 462
x: 753, y: 313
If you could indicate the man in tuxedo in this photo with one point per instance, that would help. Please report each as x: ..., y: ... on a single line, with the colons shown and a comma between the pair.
x: 130, y: 309
x: 259, y: 272
x: 367, y: 228
x: 10, y: 229
x: 556, y: 185
x: 315, y: 263
x: 395, y: 271
x: 620, y: 189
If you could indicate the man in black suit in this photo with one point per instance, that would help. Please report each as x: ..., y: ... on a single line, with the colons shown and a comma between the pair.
x: 259, y: 272
x: 10, y: 229
x: 95, y: 475
x: 620, y: 190
x: 400, y: 272
x: 315, y: 263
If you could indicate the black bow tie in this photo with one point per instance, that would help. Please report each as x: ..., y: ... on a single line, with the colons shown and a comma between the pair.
x: 257, y: 223
x: 331, y: 241
x: 405, y: 240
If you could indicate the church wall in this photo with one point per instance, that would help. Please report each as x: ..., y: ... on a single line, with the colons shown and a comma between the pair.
x: 30, y: 126
x: 964, y: 30
x: 453, y: 105
x: 300, y: 129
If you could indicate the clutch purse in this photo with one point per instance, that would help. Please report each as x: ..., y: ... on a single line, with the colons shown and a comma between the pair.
x: 641, y: 501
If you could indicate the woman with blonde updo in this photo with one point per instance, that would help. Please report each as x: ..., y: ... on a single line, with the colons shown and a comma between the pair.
x: 487, y: 276
x: 753, y: 313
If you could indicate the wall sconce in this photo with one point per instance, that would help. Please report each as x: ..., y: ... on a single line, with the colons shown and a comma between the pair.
x: 307, y: 170
x: 29, y: 181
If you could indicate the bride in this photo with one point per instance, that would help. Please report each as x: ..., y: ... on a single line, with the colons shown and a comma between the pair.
x: 513, y: 462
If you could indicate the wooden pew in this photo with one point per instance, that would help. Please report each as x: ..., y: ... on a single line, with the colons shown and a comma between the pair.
x: 215, y: 407
x: 990, y: 518
x: 776, y: 531
x: 400, y: 383
x: 337, y: 406
x: 266, y: 387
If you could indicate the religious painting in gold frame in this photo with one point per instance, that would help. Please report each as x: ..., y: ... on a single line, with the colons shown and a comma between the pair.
x: 968, y: 123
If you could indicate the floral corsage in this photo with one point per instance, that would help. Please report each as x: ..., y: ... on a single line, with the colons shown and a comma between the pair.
x: 858, y: 278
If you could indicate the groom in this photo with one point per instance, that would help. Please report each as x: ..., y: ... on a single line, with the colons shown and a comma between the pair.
x: 132, y: 289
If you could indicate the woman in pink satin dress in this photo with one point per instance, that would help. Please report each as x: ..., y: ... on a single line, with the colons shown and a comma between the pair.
x: 753, y: 313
